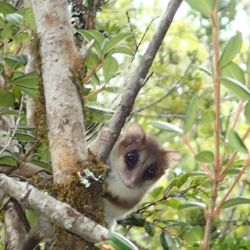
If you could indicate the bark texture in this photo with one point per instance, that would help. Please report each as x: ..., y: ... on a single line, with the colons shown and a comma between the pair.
x: 64, y: 111
x: 16, y: 225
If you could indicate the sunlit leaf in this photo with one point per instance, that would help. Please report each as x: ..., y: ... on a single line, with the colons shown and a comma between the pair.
x: 174, y: 203
x: 205, y: 156
x: 114, y: 41
x: 231, y: 49
x: 179, y: 181
x: 193, y: 234
x: 190, y: 114
x: 247, y: 112
x: 110, y: 68
x: 122, y: 50
x: 167, y: 126
x: 208, y: 116
x: 234, y: 71
x: 6, y: 8
x: 192, y: 204
x: 28, y: 17
x: 248, y: 63
x: 235, y: 140
x: 32, y: 216
x: 205, y: 7
x: 236, y: 87
x: 8, y: 160
x: 14, y: 18
x: 6, y: 99
x: 236, y: 201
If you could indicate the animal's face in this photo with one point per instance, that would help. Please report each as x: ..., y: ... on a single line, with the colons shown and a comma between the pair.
x: 140, y: 159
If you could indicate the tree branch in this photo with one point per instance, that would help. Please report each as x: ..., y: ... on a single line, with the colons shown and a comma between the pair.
x: 137, y: 80
x: 16, y: 224
x: 60, y: 67
x: 56, y: 211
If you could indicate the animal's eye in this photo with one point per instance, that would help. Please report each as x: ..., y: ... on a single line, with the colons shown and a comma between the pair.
x: 150, y: 172
x: 131, y: 159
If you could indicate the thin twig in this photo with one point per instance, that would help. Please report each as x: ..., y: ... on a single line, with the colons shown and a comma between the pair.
x: 142, y: 38
x: 95, y: 92
x: 92, y: 72
x: 217, y: 165
x: 237, y: 114
x: 131, y: 28
x: 86, y: 49
x: 19, y: 117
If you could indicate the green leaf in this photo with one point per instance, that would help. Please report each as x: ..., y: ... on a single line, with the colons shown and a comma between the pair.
x: 205, y: 7
x: 14, y: 18
x: 110, y: 67
x: 248, y: 63
x: 8, y: 160
x: 231, y: 49
x: 6, y: 8
x: 190, y: 114
x: 149, y: 228
x: 114, y: 41
x: 235, y: 202
x: 193, y: 235
x: 237, y: 87
x: 32, y: 216
x: 179, y: 181
x: 205, y: 156
x: 166, y: 241
x: 247, y: 112
x: 234, y: 71
x: 235, y: 140
x: 208, y: 116
x: 96, y: 36
x: 174, y: 203
x: 16, y: 61
x: 156, y: 192
x: 41, y: 164
x: 167, y: 126
x: 92, y: 60
x: 122, y: 50
x: 28, y: 17
x: 6, y: 99
x: 120, y: 242
x: 28, y: 83
x: 192, y: 204
x: 24, y: 137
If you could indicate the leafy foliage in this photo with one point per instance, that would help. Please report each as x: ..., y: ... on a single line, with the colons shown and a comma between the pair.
x: 176, y: 105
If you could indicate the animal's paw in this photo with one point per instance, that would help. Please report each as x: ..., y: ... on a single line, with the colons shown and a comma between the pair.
x: 105, y: 135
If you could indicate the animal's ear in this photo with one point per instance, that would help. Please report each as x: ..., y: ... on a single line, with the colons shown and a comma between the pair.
x: 134, y: 134
x: 172, y: 158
